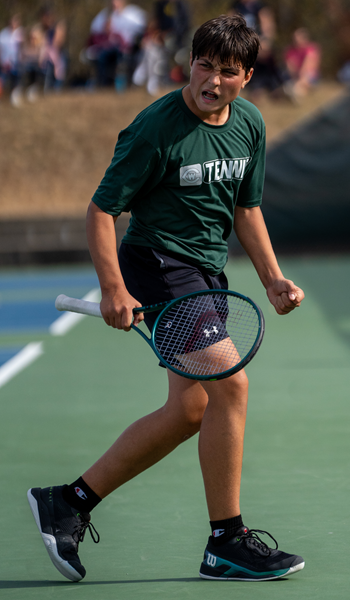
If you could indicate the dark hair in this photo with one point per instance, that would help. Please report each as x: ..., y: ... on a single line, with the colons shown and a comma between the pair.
x: 227, y: 38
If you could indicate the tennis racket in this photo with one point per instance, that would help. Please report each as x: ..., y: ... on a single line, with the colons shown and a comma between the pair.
x: 205, y: 335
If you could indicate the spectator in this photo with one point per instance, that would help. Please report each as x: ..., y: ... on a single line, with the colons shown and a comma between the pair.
x: 53, y: 59
x: 267, y: 76
x: 11, y: 40
x: 302, y: 61
x: 250, y: 10
x: 32, y: 75
x: 113, y: 45
x: 153, y: 68
x: 172, y: 19
x: 99, y: 51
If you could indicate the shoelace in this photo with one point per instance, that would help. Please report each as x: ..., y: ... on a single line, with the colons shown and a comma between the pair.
x: 83, y: 526
x: 254, y: 539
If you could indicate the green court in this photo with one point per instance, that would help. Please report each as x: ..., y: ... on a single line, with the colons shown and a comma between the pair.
x: 61, y: 412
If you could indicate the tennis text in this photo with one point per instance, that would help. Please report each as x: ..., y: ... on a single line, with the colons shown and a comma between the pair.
x: 214, y: 171
x: 225, y: 170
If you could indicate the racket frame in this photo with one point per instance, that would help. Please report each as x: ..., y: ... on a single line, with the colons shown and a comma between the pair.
x: 93, y: 309
x: 169, y: 305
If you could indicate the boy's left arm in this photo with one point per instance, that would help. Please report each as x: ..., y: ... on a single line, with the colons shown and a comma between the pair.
x: 250, y: 228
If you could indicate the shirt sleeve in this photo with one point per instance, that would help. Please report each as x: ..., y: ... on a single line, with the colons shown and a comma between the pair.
x: 251, y: 189
x: 136, y: 163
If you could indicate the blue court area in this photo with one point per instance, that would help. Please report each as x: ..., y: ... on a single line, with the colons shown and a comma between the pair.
x: 58, y: 415
x: 27, y: 298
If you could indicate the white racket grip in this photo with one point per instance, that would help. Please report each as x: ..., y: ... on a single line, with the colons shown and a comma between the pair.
x: 83, y: 307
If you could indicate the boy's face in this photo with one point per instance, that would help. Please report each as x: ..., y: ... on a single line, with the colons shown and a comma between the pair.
x: 212, y: 87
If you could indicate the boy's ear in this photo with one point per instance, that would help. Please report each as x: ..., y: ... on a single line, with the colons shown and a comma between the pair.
x: 191, y: 59
x: 247, y: 78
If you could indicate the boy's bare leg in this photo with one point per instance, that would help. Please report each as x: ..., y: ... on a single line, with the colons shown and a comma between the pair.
x: 221, y: 444
x: 150, y: 438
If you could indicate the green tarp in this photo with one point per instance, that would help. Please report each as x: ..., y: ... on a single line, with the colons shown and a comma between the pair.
x: 307, y: 189
x: 306, y: 201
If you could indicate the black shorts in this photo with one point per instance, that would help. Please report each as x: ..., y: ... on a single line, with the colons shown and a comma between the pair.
x: 152, y: 276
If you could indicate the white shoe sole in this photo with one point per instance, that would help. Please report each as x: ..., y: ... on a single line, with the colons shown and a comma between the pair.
x: 51, y: 546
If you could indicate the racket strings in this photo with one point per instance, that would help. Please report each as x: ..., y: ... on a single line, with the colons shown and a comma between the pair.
x: 208, y: 334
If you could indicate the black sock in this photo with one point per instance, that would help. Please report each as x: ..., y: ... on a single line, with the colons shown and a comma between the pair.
x: 79, y: 495
x: 225, y: 529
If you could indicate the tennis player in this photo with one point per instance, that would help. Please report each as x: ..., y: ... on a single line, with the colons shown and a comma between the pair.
x: 189, y: 168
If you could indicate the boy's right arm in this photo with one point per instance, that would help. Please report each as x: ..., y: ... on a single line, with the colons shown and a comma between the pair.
x: 116, y: 304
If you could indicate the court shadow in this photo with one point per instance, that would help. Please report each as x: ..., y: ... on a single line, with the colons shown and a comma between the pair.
x: 32, y: 584
x: 332, y: 297
x: 12, y: 584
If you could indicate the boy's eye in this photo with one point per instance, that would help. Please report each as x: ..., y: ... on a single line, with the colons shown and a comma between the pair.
x: 224, y: 72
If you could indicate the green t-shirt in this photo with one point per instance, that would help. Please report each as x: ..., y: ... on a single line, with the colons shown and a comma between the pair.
x: 181, y: 178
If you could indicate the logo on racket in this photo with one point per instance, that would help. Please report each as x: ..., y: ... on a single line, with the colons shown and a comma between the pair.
x: 168, y: 325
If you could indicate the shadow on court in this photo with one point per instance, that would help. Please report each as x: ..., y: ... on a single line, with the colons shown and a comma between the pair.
x: 6, y: 585
x: 327, y: 279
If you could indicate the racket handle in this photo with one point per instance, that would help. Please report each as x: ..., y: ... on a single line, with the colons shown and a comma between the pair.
x: 83, y: 307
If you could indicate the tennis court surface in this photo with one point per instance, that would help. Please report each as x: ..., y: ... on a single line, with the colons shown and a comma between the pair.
x: 66, y: 407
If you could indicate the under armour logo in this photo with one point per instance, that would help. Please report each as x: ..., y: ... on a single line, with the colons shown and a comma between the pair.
x: 211, y: 560
x: 214, y: 330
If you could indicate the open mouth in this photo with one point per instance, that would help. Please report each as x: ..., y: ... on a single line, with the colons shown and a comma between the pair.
x: 209, y: 95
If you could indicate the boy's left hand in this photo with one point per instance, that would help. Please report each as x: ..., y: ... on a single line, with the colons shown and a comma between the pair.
x: 284, y: 295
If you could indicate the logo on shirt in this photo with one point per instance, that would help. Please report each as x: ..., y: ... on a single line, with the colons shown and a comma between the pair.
x: 224, y: 169
x: 191, y: 175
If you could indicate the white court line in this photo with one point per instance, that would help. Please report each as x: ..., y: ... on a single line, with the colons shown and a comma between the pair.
x: 19, y: 362
x: 69, y: 319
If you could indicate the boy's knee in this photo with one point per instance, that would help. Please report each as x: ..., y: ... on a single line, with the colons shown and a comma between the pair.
x: 232, y: 390
x: 187, y: 415
x: 239, y: 382
x: 236, y: 384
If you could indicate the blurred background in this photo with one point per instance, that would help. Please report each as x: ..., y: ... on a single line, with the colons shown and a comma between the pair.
x: 74, y: 73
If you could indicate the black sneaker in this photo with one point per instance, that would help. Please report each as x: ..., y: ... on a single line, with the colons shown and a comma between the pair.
x: 62, y: 528
x: 245, y: 557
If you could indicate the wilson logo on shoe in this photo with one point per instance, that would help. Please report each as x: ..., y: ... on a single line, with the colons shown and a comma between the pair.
x: 211, y: 560
x: 80, y: 493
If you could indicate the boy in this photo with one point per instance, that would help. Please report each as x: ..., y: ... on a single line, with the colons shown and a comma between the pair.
x: 189, y: 166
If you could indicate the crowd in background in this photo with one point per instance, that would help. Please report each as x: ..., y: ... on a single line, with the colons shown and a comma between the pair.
x: 297, y: 72
x: 34, y: 58
x: 126, y: 47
